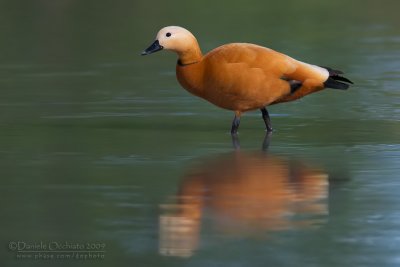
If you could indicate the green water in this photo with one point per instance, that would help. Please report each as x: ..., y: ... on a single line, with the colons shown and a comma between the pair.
x: 99, y: 145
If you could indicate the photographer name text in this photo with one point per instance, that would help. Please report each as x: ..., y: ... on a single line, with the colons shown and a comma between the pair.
x: 48, y: 250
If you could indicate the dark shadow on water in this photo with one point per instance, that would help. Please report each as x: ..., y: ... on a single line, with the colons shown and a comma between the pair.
x: 243, y: 193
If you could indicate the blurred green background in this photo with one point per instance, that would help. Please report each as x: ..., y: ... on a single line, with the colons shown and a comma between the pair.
x: 95, y: 137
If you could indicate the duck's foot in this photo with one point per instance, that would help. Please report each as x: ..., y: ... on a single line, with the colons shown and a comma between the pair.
x: 266, y: 141
x: 235, y: 142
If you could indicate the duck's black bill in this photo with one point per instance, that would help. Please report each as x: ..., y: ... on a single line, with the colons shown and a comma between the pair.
x: 154, y: 47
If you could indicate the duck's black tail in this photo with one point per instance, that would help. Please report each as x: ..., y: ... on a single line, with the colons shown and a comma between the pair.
x: 335, y: 81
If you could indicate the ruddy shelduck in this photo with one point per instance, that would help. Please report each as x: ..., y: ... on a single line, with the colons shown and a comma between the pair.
x: 242, y: 76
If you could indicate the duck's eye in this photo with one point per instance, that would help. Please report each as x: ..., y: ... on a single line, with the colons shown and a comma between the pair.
x: 168, y: 34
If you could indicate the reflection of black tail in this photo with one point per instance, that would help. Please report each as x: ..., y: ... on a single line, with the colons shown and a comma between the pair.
x: 335, y: 81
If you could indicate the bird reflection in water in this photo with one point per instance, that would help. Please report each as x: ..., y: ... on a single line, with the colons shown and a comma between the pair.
x: 243, y: 193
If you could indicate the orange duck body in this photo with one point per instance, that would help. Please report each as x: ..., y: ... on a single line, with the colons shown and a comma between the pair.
x: 241, y: 76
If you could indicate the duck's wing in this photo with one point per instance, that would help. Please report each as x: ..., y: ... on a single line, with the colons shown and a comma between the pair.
x: 247, y: 72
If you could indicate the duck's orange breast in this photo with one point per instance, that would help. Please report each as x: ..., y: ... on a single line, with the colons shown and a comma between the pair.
x: 191, y: 77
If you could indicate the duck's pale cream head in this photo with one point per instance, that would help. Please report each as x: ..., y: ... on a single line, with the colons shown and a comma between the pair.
x: 176, y: 39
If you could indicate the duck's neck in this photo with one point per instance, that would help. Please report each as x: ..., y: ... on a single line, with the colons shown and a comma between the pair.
x: 190, y: 56
x: 189, y: 71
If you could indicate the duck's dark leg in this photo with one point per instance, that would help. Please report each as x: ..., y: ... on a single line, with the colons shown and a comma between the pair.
x: 235, y: 123
x: 266, y: 119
